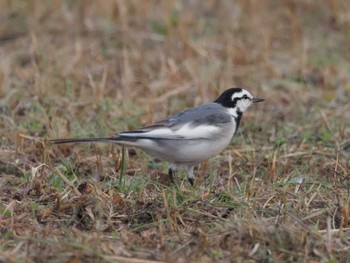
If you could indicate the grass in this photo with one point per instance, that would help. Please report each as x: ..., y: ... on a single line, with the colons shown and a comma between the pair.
x: 279, y: 193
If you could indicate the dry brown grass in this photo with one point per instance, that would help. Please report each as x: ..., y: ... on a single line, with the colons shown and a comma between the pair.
x: 279, y: 193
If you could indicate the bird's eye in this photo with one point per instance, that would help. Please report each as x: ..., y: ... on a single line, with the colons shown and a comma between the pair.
x: 245, y: 97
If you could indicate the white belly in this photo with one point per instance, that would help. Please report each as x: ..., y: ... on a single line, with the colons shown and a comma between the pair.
x: 186, y: 151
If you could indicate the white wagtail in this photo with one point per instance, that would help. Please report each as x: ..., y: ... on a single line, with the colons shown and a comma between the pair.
x: 188, y: 137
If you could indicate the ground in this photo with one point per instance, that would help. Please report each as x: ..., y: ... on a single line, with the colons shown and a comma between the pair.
x: 279, y: 193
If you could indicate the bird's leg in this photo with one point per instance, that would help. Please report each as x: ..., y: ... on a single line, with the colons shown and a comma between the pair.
x: 190, y: 176
x: 171, y: 174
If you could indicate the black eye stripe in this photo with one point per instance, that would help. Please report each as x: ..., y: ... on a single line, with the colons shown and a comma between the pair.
x: 245, y: 96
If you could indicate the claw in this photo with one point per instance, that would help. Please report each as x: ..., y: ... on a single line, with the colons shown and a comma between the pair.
x: 191, y: 181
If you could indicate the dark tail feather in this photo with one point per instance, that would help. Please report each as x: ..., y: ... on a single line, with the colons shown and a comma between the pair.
x: 80, y: 140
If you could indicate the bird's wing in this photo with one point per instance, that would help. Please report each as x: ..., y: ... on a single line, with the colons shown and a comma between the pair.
x: 202, y: 122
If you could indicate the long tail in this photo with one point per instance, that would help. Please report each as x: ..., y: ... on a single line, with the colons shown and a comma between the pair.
x: 81, y: 140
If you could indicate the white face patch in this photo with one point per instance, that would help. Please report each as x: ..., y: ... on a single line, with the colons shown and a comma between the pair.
x: 242, y: 102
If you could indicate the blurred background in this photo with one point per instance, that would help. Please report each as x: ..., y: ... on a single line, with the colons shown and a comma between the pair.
x: 77, y: 68
x: 96, y: 63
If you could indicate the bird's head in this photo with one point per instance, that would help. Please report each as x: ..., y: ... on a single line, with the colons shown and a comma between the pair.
x: 237, y: 98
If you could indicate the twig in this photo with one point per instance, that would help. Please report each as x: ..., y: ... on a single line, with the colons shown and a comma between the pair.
x: 66, y: 180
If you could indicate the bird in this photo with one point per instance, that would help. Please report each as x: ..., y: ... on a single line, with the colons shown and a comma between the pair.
x: 189, y: 137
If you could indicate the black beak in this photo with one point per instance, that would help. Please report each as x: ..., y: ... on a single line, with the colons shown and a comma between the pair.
x: 256, y: 100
